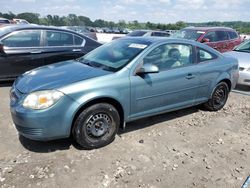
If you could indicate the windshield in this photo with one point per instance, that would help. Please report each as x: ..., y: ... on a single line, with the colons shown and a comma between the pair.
x: 244, y: 47
x: 188, y: 34
x: 115, y: 55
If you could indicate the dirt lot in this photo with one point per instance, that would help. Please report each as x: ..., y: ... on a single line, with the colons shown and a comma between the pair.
x: 187, y: 148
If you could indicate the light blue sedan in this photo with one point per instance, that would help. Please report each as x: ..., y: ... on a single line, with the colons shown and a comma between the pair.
x: 127, y: 79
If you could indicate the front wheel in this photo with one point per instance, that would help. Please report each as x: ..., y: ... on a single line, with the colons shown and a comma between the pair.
x: 219, y: 97
x: 96, y: 126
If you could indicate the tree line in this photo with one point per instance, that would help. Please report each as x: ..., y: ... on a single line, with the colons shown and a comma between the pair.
x: 75, y: 20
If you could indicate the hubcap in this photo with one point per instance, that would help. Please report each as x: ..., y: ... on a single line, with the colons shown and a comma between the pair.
x: 219, y: 96
x: 98, y: 125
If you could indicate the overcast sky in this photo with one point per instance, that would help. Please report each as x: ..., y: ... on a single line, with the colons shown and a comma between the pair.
x: 157, y: 11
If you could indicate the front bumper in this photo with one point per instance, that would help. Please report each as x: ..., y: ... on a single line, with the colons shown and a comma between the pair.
x: 47, y: 124
x: 244, y: 78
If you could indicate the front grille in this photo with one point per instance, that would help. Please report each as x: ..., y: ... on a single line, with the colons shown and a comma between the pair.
x: 29, y: 131
x: 241, y: 68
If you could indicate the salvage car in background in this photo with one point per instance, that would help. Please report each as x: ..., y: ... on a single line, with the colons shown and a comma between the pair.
x: 146, y: 33
x: 220, y: 38
x: 242, y: 53
x: 82, y: 30
x: 121, y: 81
x: 4, y: 21
x: 25, y: 47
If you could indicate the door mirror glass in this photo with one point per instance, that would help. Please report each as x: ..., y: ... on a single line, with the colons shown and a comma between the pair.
x: 148, y: 68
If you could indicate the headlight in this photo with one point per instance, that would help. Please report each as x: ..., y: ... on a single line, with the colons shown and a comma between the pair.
x: 248, y: 69
x: 42, y: 99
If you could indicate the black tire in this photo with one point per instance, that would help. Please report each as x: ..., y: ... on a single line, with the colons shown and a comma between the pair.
x: 96, y: 126
x: 219, y: 97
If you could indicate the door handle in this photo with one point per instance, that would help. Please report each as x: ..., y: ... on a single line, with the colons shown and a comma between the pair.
x: 76, y: 50
x: 190, y: 76
x: 36, y: 52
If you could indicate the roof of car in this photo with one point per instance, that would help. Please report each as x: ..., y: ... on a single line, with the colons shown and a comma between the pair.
x: 15, y: 27
x: 158, y: 40
x: 208, y: 28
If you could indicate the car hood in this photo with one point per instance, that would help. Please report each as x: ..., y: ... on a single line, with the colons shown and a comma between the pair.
x: 56, y: 75
x: 243, y: 58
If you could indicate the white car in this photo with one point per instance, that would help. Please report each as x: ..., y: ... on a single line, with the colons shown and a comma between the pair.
x: 242, y: 53
x: 21, y: 21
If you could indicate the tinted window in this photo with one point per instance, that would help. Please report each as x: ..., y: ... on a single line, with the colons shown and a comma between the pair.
x: 26, y: 38
x: 204, y: 55
x: 211, y: 36
x: 170, y: 56
x: 136, y: 33
x: 160, y: 34
x: 221, y: 35
x: 232, y: 34
x: 78, y: 40
x: 55, y: 38
x: 5, y: 21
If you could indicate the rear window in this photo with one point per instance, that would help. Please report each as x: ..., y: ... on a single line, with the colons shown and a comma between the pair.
x: 4, y: 21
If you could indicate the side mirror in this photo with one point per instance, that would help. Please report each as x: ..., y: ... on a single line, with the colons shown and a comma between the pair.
x: 205, y: 40
x: 147, y: 68
x: 2, y: 48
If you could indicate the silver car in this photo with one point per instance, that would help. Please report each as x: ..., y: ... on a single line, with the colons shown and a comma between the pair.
x: 242, y: 53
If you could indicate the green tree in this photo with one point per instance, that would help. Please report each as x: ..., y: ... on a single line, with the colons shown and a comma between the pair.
x: 30, y: 17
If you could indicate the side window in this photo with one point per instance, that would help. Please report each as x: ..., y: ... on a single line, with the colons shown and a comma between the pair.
x: 159, y: 34
x: 232, y: 34
x: 170, y: 56
x: 221, y: 35
x: 26, y: 38
x: 211, y: 36
x: 57, y: 38
x: 78, y: 41
x: 204, y: 55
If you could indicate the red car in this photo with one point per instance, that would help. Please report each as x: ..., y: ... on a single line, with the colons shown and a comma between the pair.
x: 222, y: 39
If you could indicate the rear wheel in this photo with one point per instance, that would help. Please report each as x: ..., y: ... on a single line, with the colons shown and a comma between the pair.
x: 96, y: 126
x: 219, y: 97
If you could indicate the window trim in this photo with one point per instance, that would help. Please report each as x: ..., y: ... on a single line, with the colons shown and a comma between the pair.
x: 197, y: 48
x: 73, y: 35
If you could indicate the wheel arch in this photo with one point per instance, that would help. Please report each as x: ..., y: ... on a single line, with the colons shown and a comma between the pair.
x: 228, y: 82
x: 108, y: 100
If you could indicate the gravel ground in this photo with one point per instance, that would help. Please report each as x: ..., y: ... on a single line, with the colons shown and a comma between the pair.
x: 186, y: 148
